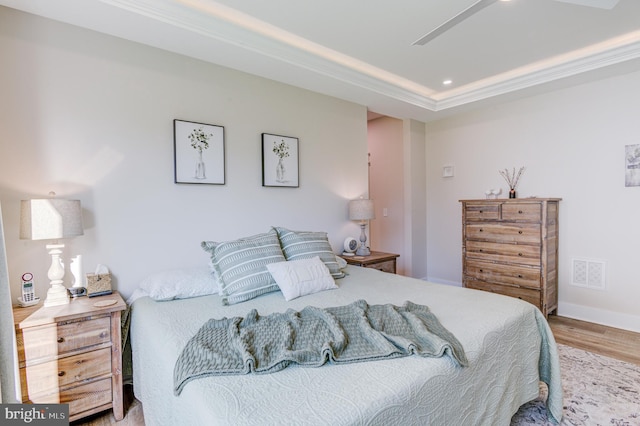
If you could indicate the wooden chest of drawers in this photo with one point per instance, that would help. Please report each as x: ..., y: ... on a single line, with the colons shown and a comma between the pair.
x: 71, y: 354
x: 511, y: 247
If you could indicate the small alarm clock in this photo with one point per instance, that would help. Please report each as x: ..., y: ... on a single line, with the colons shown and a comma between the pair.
x: 350, y: 246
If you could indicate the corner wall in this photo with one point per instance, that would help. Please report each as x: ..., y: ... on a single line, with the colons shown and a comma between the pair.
x: 572, y: 143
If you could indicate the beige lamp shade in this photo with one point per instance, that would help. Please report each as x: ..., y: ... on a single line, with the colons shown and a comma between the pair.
x: 361, y: 209
x: 50, y: 219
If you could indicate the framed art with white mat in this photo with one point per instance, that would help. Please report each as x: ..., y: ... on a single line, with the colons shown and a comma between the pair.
x: 199, y: 153
x: 279, y: 161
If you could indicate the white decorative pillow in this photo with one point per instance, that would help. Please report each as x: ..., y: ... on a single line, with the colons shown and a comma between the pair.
x: 301, y: 277
x: 241, y: 266
x: 180, y: 284
x: 305, y: 245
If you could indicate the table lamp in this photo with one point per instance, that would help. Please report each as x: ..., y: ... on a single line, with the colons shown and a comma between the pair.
x: 52, y: 219
x: 362, y: 210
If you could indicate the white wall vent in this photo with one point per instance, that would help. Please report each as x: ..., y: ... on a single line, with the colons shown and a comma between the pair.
x: 588, y: 273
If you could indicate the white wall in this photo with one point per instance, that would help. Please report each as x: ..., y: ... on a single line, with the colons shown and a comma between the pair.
x: 386, y: 183
x: 90, y: 117
x: 398, y: 183
x: 572, y: 143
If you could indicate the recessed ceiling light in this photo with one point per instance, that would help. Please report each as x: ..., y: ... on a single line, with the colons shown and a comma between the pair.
x: 447, y: 82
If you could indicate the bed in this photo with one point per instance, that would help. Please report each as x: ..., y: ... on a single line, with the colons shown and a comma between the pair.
x: 507, y: 342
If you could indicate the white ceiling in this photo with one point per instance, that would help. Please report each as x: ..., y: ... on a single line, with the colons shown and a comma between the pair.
x: 362, y: 50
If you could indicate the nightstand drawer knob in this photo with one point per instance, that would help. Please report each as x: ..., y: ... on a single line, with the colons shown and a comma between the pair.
x: 60, y: 339
x: 520, y: 232
x: 61, y: 373
x: 519, y: 211
x: 520, y: 254
x: 103, y: 334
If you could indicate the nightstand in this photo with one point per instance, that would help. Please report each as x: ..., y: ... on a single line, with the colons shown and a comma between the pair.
x: 71, y: 354
x: 381, y: 261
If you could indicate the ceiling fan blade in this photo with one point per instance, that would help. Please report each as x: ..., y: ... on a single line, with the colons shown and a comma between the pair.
x: 601, y: 4
x: 471, y: 10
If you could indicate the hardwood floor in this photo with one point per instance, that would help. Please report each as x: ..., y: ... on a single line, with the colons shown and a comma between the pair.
x: 614, y: 343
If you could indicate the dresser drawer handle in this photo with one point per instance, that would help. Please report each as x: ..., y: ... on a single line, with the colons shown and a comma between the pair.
x: 480, y: 250
x: 103, y: 334
x: 481, y: 229
x: 60, y: 339
x: 519, y: 275
x: 520, y: 232
x: 481, y: 212
x: 519, y: 211
x: 520, y: 254
x: 61, y: 373
x: 481, y: 270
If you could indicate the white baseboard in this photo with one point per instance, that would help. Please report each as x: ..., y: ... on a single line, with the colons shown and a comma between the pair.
x: 600, y: 316
x: 579, y: 312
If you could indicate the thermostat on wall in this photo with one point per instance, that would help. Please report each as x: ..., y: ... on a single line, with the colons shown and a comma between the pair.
x: 447, y: 171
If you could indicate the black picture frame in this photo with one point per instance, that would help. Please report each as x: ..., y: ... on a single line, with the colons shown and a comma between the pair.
x: 280, y: 161
x: 199, y: 153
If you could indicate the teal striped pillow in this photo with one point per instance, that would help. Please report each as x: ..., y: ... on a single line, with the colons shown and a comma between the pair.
x: 241, y: 266
x: 306, y: 245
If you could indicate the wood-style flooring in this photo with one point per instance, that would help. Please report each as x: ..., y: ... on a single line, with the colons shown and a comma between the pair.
x: 614, y: 343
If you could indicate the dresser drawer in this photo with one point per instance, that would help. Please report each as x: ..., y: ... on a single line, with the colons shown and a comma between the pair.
x: 80, y: 398
x: 504, y: 232
x: 503, y: 274
x: 58, y: 339
x: 482, y: 211
x: 502, y: 252
x: 526, y: 294
x: 49, y: 376
x: 522, y: 212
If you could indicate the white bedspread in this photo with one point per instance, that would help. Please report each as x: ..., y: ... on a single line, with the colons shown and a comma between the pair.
x: 502, y: 337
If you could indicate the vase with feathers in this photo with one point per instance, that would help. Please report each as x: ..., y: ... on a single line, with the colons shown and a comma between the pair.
x: 512, y: 179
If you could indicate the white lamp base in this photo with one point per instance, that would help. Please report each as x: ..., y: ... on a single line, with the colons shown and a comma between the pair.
x: 363, y: 250
x: 57, y: 295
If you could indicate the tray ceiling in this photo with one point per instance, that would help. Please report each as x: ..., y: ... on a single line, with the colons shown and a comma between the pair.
x: 364, y: 51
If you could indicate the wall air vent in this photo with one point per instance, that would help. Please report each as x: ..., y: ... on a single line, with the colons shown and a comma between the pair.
x: 588, y: 273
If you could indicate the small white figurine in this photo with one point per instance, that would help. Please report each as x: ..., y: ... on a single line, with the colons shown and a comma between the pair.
x: 76, y: 271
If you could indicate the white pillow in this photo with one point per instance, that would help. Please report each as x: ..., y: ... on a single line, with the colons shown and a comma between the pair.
x: 301, y: 277
x: 180, y: 283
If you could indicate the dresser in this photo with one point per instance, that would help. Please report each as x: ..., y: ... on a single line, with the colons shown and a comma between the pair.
x: 385, y: 262
x: 510, y: 246
x: 71, y: 354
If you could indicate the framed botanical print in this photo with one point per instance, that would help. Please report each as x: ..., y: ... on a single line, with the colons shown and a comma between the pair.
x: 632, y: 165
x: 279, y: 161
x: 198, y: 153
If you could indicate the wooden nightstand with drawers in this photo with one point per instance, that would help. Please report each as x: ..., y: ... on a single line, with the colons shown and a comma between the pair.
x: 71, y: 354
x: 381, y: 261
